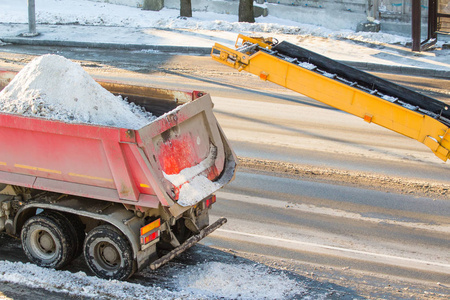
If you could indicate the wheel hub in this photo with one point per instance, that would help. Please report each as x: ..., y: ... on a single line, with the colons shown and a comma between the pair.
x: 109, y: 254
x: 46, y: 242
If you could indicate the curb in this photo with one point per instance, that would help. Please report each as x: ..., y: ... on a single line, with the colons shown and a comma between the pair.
x: 162, y: 48
x: 402, y: 70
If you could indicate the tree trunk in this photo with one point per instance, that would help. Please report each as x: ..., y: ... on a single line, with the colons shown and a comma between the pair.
x: 185, y: 8
x: 246, y: 11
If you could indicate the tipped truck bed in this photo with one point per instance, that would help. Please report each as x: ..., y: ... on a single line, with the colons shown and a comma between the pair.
x: 117, y: 164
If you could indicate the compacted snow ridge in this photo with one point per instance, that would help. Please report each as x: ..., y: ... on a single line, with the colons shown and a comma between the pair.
x: 76, y: 284
x: 53, y: 87
x: 209, y: 280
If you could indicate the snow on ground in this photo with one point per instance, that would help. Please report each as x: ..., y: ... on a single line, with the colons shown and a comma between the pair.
x: 216, y: 279
x: 98, y: 22
x: 210, y: 280
x: 79, y: 12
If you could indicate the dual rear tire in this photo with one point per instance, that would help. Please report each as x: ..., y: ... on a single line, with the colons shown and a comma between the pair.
x: 53, y: 240
x: 48, y: 240
x: 108, y: 253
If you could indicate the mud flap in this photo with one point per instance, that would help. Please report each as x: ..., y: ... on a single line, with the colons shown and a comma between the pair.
x: 187, y: 244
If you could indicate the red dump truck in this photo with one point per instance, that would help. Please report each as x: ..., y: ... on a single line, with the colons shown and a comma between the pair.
x: 67, y: 189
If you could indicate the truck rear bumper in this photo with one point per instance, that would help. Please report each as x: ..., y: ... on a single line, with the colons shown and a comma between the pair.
x: 187, y: 244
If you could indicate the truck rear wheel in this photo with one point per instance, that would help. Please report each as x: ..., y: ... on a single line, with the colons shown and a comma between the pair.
x: 108, y: 253
x: 76, y: 230
x: 46, y: 240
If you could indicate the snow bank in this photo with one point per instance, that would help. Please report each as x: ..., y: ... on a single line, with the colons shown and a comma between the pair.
x: 77, y: 284
x: 82, y: 12
x: 212, y: 280
x: 56, y: 88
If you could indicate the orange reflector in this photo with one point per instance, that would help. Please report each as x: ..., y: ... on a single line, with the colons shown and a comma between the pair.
x: 149, y: 227
x: 368, y: 118
x: 263, y: 75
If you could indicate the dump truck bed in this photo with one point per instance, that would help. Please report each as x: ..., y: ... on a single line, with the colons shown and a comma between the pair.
x: 119, y: 164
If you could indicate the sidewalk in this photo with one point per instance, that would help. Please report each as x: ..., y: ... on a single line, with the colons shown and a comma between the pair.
x: 128, y: 28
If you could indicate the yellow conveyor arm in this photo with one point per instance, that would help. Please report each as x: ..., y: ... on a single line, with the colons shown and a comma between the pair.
x: 255, y: 56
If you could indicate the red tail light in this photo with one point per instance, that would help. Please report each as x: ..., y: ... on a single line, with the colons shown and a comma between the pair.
x: 149, y: 238
x: 150, y: 232
x: 210, y: 201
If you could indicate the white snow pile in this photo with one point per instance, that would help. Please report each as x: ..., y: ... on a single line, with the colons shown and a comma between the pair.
x: 53, y: 87
x: 237, y: 281
x: 211, y: 280
x: 194, y: 186
x: 196, y: 189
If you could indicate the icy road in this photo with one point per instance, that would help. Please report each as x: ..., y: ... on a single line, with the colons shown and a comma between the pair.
x: 324, y: 206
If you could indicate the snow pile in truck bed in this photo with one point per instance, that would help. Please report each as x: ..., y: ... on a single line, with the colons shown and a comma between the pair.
x: 192, y: 188
x: 196, y: 189
x: 56, y: 88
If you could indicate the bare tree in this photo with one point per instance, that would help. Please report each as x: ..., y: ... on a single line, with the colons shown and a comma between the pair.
x: 246, y: 11
x: 185, y: 8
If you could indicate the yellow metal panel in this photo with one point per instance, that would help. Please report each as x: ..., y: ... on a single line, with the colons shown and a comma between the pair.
x: 339, y: 95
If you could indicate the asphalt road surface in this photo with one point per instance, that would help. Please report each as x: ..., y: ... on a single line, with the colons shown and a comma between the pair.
x: 371, y: 213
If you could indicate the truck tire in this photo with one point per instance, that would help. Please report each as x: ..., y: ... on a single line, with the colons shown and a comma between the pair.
x: 76, y: 227
x: 47, y: 240
x: 79, y: 233
x: 108, y: 253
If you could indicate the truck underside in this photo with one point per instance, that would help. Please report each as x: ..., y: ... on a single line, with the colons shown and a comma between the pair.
x: 116, y: 241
